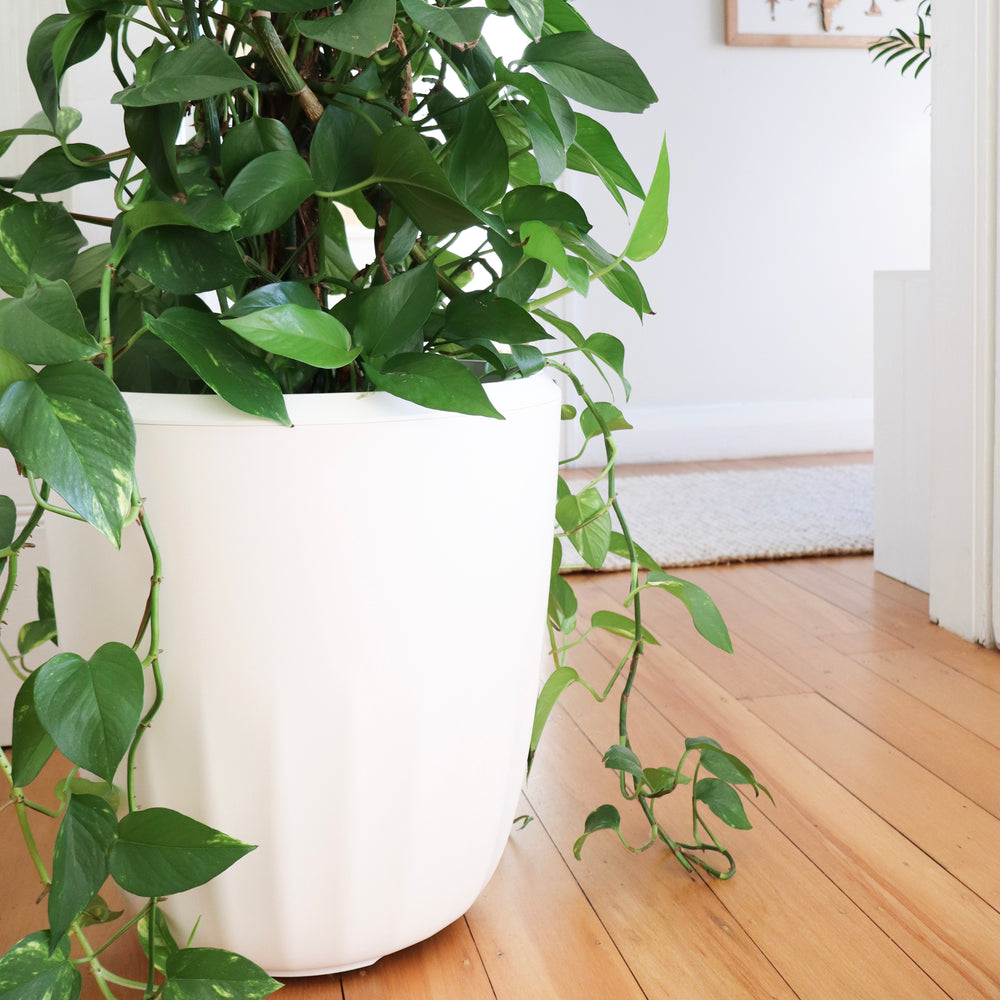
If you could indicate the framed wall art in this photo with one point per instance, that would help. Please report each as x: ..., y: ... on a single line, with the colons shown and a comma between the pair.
x: 817, y: 23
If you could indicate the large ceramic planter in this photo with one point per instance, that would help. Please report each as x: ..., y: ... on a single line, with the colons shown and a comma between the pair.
x: 353, y: 617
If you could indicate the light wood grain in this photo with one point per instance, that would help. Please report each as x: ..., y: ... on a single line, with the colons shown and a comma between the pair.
x: 876, y: 875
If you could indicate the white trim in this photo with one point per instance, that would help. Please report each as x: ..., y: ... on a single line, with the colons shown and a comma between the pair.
x: 663, y: 433
x: 964, y: 295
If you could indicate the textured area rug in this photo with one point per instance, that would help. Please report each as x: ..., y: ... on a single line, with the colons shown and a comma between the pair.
x: 698, y: 518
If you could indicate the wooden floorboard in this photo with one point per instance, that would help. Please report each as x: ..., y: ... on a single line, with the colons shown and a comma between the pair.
x: 875, y: 875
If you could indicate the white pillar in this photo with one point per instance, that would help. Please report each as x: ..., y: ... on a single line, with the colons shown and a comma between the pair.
x: 964, y: 316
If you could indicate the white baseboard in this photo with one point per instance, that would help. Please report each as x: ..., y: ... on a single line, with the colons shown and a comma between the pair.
x: 663, y: 433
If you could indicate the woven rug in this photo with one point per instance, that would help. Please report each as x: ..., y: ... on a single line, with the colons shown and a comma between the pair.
x: 699, y: 518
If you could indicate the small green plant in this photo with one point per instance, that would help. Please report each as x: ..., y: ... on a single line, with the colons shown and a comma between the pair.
x: 253, y: 139
x: 913, y: 46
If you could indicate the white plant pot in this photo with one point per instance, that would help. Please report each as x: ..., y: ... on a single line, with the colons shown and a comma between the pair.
x: 352, y: 628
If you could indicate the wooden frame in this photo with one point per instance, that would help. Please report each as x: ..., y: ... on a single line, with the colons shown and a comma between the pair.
x: 841, y: 37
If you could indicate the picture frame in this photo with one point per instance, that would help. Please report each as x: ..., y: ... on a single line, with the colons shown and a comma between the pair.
x: 800, y: 23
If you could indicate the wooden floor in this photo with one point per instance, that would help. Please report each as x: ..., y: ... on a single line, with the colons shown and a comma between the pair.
x: 876, y: 875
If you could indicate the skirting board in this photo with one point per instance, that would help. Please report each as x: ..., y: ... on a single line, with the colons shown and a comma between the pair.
x: 663, y: 433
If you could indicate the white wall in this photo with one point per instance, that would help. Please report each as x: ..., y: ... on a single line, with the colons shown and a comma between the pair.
x: 796, y: 175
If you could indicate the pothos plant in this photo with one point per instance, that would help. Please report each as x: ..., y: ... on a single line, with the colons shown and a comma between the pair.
x: 254, y: 140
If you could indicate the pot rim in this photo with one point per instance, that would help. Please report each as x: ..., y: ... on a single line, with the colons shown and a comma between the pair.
x: 331, y: 408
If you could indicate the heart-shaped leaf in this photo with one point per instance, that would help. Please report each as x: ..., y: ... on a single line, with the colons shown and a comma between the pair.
x: 304, y: 334
x: 91, y: 708
x: 268, y: 190
x: 71, y: 426
x: 724, y: 801
x: 362, y: 29
x: 590, y: 70
x: 45, y: 326
x: 52, y: 171
x: 159, y: 852
x: 39, y: 238
x: 31, y: 971
x: 458, y: 26
x: 201, y: 70
x: 195, y: 973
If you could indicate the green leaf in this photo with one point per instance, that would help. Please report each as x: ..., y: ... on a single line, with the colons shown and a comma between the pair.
x: 724, y: 801
x: 31, y: 635
x: 485, y: 317
x: 185, y: 260
x: 279, y: 293
x: 587, y: 524
x: 341, y: 151
x: 91, y: 708
x: 8, y: 521
x: 623, y: 758
x: 222, y: 359
x: 531, y: 14
x: 152, y: 134
x: 651, y: 226
x: 75, y: 785
x: 547, y: 102
x: 405, y: 165
x: 619, y: 546
x: 32, y: 744
x: 617, y: 624
x: 79, y: 860
x: 541, y: 242
x: 602, y: 818
x: 71, y: 426
x: 269, y: 190
x: 43, y: 594
x: 727, y: 767
x: 52, y: 171
x: 542, y: 204
x: 251, y: 139
x: 36, y: 238
x: 549, y: 152
x: 45, y: 326
x: 557, y: 682
x: 97, y: 911
x: 159, y: 852
x: 612, y: 352
x: 560, y: 16
x: 362, y: 29
x: 201, y: 70
x: 204, y: 210
x: 60, y: 41
x: 460, y: 27
x: 203, y: 973
x: 303, y: 334
x: 478, y: 167
x: 164, y: 944
x: 435, y: 381
x: 595, y: 151
x: 590, y: 70
x: 388, y: 316
x: 31, y: 971
x: 610, y: 414
x: 621, y: 280
x: 663, y: 780
x: 701, y: 607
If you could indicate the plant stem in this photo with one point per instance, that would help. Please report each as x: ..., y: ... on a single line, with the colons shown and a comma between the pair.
x: 274, y: 52
x: 152, y: 658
